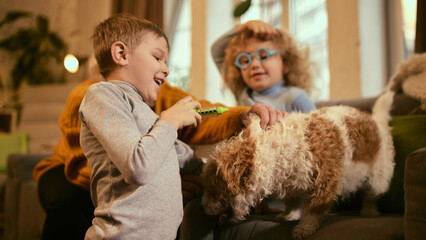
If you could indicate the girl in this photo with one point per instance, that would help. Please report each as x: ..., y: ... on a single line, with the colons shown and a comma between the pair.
x: 265, y: 65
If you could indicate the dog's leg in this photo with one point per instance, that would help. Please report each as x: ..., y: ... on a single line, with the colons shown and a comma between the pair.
x: 293, y: 209
x: 315, y: 210
x: 309, y: 223
x: 263, y: 208
x: 318, y: 203
x: 380, y: 177
x: 369, y: 204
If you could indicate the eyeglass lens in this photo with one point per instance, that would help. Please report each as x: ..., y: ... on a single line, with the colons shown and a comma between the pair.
x: 261, y: 54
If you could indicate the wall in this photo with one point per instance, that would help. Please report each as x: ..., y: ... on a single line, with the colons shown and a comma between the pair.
x: 74, y: 21
x: 344, y: 55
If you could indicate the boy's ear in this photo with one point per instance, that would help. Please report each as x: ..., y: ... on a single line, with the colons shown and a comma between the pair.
x: 119, y: 53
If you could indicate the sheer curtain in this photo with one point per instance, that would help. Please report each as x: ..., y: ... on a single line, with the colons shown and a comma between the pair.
x: 148, y: 9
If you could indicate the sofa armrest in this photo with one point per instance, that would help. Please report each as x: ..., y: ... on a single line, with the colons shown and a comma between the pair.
x: 402, y: 104
x: 364, y: 104
x: 21, y: 165
x: 415, y: 195
x: 24, y: 216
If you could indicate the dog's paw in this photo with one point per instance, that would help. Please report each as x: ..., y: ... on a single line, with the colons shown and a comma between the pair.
x: 370, y: 212
x: 301, y: 232
x: 293, y: 215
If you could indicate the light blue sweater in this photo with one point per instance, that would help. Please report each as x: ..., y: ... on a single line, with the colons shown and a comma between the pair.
x: 280, y: 97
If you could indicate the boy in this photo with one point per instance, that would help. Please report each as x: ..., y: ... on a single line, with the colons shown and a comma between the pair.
x: 134, y: 154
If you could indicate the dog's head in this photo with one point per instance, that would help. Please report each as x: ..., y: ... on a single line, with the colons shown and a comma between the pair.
x: 229, y: 173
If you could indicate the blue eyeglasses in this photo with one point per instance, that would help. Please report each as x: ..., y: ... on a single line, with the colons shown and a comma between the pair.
x: 243, y: 60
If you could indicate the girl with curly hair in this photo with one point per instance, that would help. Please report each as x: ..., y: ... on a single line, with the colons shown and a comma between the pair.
x: 262, y: 64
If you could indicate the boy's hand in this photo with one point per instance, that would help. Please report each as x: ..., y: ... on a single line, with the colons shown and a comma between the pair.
x: 268, y: 116
x: 260, y: 29
x: 182, y: 114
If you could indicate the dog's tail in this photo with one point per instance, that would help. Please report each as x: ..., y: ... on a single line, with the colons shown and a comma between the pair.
x: 382, y: 107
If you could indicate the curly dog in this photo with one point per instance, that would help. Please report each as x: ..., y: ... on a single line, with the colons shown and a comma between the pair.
x: 308, y: 159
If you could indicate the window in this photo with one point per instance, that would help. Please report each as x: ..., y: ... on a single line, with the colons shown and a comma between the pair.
x: 308, y: 23
x: 265, y: 10
x: 409, y: 25
x: 179, y: 61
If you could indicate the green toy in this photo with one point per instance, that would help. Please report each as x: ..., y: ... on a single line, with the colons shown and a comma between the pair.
x: 211, y: 111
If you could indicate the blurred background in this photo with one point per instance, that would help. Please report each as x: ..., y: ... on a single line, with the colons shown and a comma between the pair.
x: 356, y: 45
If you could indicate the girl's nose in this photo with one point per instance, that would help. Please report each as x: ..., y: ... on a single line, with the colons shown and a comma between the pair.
x: 255, y: 62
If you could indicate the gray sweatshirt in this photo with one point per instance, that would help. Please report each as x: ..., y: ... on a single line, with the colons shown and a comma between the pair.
x: 134, y: 159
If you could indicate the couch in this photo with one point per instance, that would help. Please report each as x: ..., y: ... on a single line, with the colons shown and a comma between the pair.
x: 403, y: 207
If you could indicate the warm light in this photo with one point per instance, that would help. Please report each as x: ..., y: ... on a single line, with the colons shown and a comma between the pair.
x: 71, y: 63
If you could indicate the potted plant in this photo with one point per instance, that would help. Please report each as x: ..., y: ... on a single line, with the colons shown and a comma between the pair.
x: 37, y: 50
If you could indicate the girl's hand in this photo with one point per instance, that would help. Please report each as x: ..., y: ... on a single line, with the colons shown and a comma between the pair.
x: 268, y: 116
x: 259, y: 28
x: 182, y: 114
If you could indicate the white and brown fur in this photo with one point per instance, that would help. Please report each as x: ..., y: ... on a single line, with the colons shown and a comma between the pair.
x: 308, y: 159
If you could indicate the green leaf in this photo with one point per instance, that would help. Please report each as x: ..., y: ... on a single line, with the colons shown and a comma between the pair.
x: 242, y: 8
x: 42, y: 25
x: 18, y: 41
x: 35, y: 46
x: 18, y: 74
x: 13, y: 16
x: 58, y: 48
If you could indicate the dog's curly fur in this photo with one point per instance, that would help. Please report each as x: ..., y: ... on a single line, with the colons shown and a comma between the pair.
x: 313, y: 157
x: 411, y: 78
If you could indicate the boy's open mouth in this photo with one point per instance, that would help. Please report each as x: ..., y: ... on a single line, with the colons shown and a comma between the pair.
x: 159, y: 81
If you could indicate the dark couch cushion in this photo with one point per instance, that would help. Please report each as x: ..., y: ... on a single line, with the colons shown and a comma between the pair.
x: 338, y: 226
x: 415, y: 195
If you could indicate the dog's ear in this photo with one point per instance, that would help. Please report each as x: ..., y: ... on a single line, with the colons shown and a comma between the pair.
x: 236, y: 162
x: 215, y: 197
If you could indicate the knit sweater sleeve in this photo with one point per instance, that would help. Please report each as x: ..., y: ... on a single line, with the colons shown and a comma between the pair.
x: 210, y: 130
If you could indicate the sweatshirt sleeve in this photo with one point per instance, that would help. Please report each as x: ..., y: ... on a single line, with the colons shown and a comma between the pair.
x: 108, y: 125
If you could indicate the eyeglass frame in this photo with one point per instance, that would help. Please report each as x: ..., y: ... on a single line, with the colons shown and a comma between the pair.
x: 255, y: 54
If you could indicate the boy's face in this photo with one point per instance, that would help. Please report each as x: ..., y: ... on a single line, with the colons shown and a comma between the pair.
x: 147, y: 67
x: 258, y: 75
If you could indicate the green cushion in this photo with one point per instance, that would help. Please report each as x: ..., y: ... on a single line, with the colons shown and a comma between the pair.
x: 409, y: 134
x: 11, y: 143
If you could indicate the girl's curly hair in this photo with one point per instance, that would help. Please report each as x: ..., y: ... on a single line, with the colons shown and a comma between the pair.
x: 295, y: 57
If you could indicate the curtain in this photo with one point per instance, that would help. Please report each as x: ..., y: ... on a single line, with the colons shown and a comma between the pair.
x: 148, y: 9
x: 420, y: 41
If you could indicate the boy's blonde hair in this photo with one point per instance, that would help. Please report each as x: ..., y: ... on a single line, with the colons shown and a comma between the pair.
x: 294, y: 56
x: 124, y: 28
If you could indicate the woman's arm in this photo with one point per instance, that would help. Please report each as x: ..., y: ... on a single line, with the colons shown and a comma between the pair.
x: 210, y: 130
x: 218, y: 48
